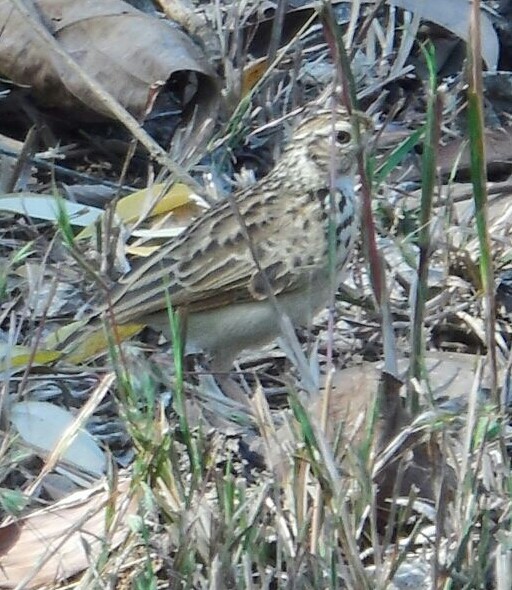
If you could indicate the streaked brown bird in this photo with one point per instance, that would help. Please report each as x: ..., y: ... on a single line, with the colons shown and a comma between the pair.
x: 215, y: 270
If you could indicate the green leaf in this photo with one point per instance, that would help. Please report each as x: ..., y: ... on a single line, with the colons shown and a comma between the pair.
x: 396, y: 156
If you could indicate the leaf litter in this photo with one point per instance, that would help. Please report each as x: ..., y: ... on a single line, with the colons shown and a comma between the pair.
x: 266, y: 461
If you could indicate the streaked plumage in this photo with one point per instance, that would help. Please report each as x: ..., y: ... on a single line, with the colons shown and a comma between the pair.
x: 209, y: 270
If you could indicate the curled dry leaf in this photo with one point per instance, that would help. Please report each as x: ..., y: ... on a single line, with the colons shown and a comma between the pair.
x: 403, y: 451
x: 455, y: 16
x: 130, y: 53
x: 409, y: 459
x: 58, y: 542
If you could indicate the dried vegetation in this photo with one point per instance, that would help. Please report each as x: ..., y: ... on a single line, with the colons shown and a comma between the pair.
x: 372, y: 452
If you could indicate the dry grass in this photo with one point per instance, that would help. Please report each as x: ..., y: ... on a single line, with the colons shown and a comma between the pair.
x: 338, y: 488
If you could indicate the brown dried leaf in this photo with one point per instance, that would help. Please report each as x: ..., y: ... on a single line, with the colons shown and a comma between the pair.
x: 130, y: 53
x: 58, y: 542
x: 395, y: 440
x: 498, y: 151
x: 352, y: 396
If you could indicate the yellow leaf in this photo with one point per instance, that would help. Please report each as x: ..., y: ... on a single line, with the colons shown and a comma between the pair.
x: 57, y: 338
x: 86, y: 342
x: 18, y: 357
x: 95, y: 342
x: 131, y: 207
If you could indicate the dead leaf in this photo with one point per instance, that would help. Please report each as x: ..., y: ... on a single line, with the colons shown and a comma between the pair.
x: 152, y: 202
x: 46, y: 207
x: 498, y: 153
x: 352, y: 396
x: 455, y: 16
x: 43, y: 424
x: 400, y: 447
x: 132, y: 54
x: 56, y: 543
x: 252, y: 74
x: 79, y: 343
x: 18, y: 357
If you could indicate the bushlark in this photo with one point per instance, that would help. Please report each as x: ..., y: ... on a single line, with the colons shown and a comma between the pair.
x: 272, y: 242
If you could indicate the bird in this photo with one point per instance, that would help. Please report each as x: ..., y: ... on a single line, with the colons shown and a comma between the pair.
x: 263, y: 251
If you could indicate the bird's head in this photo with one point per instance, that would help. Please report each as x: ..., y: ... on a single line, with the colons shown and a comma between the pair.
x: 330, y: 139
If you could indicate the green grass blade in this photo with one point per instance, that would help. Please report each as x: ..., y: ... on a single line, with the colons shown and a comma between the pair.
x: 479, y: 183
x: 396, y: 156
x: 428, y: 182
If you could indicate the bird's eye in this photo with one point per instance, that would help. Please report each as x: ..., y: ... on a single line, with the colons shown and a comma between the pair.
x: 343, y: 137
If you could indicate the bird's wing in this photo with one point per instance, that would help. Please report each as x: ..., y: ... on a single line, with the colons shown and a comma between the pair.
x: 211, y: 264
